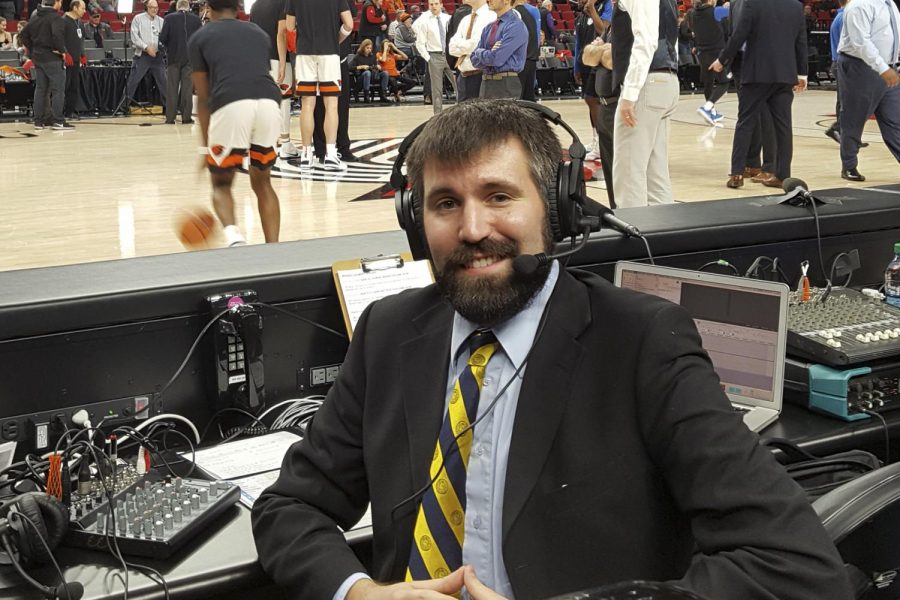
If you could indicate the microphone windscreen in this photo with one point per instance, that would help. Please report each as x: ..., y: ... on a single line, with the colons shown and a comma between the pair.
x: 526, y: 264
x: 792, y: 183
x: 74, y: 589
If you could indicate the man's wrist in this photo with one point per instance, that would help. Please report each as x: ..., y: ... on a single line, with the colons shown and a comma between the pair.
x: 359, y: 588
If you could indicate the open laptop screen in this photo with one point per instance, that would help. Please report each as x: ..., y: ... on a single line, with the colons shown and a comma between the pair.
x: 741, y: 322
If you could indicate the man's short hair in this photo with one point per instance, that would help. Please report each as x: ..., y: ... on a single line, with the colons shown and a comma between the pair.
x: 452, y: 138
x: 224, y: 4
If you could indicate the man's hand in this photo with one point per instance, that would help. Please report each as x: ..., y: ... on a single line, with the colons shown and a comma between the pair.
x: 434, y: 589
x: 801, y: 86
x: 151, y: 50
x: 716, y: 66
x: 67, y: 58
x: 282, y: 67
x: 476, y: 589
x: 626, y: 109
x: 496, y: 46
x: 83, y: 60
x: 891, y: 77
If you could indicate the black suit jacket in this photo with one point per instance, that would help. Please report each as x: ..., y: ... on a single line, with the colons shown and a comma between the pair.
x: 625, y: 455
x: 178, y: 27
x: 775, y: 33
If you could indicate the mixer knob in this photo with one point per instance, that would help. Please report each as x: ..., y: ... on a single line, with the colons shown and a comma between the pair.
x: 178, y: 483
x: 833, y: 343
x: 861, y: 338
x: 204, y: 496
x: 213, y: 490
x: 177, y: 515
x: 158, y: 529
x: 148, y: 527
x: 893, y: 334
x: 837, y: 332
x: 122, y: 524
x: 195, y: 502
x: 136, y: 526
x: 168, y: 520
x: 186, y: 508
x: 222, y: 485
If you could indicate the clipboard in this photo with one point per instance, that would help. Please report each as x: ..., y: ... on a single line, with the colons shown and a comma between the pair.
x: 361, y: 281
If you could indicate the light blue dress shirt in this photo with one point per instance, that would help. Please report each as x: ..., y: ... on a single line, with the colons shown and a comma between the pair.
x: 871, y: 33
x: 486, y: 476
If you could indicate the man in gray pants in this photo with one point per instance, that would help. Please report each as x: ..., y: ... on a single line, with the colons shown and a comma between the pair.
x: 44, y: 36
x: 431, y: 38
x: 177, y: 29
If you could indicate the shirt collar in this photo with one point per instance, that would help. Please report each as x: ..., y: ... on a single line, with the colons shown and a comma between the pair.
x: 516, y: 334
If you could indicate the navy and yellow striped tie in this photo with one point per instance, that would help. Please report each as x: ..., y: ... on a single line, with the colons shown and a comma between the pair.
x: 440, y: 522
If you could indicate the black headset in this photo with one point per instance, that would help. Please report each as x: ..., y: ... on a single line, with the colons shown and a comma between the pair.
x: 565, y: 199
x: 31, y: 526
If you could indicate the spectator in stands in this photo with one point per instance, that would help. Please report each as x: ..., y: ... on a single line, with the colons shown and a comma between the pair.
x: 645, y: 64
x: 463, y: 42
x: 709, y: 40
x: 75, y: 58
x: 392, y: 8
x: 178, y: 27
x: 548, y: 23
x: 588, y: 25
x: 392, y: 28
x: 431, y: 36
x: 415, y: 11
x: 387, y: 61
x: 17, y: 37
x: 869, y: 75
x: 44, y: 37
x: 6, y: 38
x: 8, y: 10
x: 531, y: 17
x: 145, y: 30
x: 811, y: 21
x: 501, y: 53
x: 97, y: 30
x: 598, y: 54
x: 373, y: 23
x: 367, y: 69
x: 405, y: 37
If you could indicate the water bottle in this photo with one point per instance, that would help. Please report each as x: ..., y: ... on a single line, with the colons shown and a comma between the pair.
x: 892, y: 279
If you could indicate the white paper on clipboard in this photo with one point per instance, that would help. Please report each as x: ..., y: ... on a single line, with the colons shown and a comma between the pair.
x: 360, y: 287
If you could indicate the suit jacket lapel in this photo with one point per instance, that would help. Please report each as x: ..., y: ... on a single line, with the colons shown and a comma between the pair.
x: 426, y: 357
x: 545, y: 392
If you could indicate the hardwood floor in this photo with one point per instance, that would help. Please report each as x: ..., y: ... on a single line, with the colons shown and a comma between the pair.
x: 112, y: 188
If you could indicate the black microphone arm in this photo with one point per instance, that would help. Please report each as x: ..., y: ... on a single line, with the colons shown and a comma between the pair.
x: 594, y: 209
x: 526, y: 264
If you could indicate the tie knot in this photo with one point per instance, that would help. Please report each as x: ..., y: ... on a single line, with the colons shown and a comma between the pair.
x: 481, y: 345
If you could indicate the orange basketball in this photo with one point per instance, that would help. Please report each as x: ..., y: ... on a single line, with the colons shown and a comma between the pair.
x: 194, y: 228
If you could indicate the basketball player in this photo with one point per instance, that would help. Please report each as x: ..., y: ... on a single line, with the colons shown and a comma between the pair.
x: 270, y: 16
x: 238, y: 108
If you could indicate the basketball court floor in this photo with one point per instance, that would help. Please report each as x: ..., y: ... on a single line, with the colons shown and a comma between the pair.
x: 113, y: 188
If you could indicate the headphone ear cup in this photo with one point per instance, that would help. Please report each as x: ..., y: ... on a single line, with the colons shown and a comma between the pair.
x: 405, y: 206
x: 553, y: 215
x: 51, y: 520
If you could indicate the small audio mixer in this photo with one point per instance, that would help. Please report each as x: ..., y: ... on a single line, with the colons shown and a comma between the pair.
x: 849, y: 328
x: 152, y: 515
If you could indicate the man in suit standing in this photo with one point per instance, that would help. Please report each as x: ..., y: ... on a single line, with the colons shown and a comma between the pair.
x: 501, y: 53
x: 463, y: 41
x: 774, y: 66
x: 489, y: 421
x: 178, y: 27
x: 431, y: 42
x: 869, y: 75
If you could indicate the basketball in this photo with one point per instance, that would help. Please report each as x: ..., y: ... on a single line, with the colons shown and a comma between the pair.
x: 194, y: 227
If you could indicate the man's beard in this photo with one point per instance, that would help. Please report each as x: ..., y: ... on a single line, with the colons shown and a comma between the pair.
x: 492, y: 299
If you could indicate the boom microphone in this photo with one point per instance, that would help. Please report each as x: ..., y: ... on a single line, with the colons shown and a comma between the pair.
x: 595, y: 209
x: 794, y: 183
x: 527, y: 264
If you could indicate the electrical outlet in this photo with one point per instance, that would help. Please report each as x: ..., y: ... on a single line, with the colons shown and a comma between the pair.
x: 331, y: 373
x: 317, y: 376
x: 10, y: 430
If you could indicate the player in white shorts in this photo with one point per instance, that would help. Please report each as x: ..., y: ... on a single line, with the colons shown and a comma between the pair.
x: 238, y: 108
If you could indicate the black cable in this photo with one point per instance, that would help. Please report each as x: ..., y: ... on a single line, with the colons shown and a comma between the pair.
x: 887, y: 437
x: 719, y: 263
x: 40, y: 536
x: 821, y: 259
x: 190, y: 352
x: 299, y: 318
x: 647, y: 246
x: 149, y: 569
x: 218, y: 414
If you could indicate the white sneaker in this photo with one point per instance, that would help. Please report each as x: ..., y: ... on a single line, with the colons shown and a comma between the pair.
x: 288, y: 150
x: 592, y: 154
x: 334, y: 163
x: 307, y: 160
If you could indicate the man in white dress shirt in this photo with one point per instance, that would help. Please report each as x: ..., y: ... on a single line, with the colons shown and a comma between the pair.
x: 463, y: 42
x: 431, y: 36
x: 868, y: 64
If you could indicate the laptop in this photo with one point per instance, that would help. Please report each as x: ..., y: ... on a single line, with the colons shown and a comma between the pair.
x: 743, y: 324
